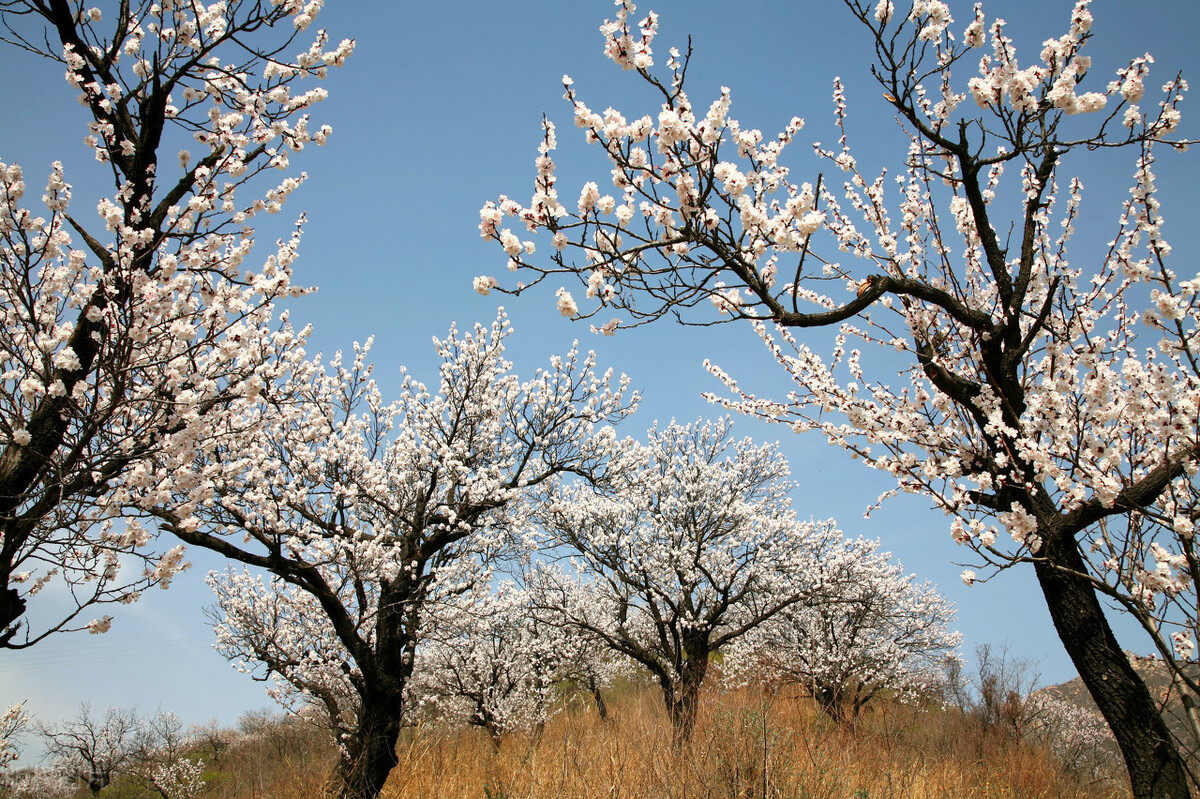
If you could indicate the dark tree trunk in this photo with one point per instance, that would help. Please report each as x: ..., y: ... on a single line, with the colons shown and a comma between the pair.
x: 1155, y: 768
x: 593, y: 688
x: 682, y: 695
x: 682, y: 700
x: 601, y: 705
x: 12, y: 607
x: 370, y: 756
x: 831, y: 702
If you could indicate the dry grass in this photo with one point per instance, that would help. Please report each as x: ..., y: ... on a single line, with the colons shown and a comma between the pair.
x: 746, y: 746
x: 286, y: 760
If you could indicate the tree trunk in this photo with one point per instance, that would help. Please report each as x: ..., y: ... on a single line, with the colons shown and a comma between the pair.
x: 682, y: 701
x: 683, y: 695
x: 370, y: 756
x: 12, y: 607
x: 831, y: 701
x: 1155, y: 768
x: 593, y: 687
x: 1191, y: 712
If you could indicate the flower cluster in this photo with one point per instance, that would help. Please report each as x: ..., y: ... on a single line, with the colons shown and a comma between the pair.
x: 12, y: 724
x: 180, y: 779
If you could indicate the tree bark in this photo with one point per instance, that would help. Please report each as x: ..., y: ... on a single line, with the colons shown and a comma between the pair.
x: 682, y: 695
x: 12, y: 607
x: 1155, y: 768
x: 598, y: 697
x: 831, y: 702
x: 370, y: 756
x: 682, y: 700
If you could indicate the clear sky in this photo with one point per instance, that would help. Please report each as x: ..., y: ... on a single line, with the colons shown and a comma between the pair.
x: 438, y: 111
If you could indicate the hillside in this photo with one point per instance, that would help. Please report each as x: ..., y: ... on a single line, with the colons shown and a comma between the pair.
x: 1158, y: 678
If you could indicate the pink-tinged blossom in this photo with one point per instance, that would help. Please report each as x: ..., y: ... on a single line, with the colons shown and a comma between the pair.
x: 588, y: 197
x: 566, y: 303
x: 510, y: 243
x: 974, y: 35
x: 627, y: 47
x: 609, y: 328
x: 485, y: 283
x: 97, y: 626
x: 934, y: 17
x: 1091, y: 102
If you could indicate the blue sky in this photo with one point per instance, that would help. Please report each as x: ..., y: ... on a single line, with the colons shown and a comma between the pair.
x: 438, y: 111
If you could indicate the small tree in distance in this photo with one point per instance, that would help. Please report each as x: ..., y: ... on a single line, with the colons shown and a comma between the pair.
x: 94, y: 750
x: 1055, y: 403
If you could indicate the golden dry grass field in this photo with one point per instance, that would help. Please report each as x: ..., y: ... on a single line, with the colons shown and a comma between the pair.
x: 747, y: 745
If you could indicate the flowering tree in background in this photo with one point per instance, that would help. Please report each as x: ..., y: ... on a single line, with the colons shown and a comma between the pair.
x: 178, y: 779
x: 365, y: 514
x: 13, y: 723
x: 586, y: 662
x: 122, y: 335
x: 94, y: 750
x: 150, y: 750
x: 884, y: 632
x: 161, y: 759
x: 688, y: 545
x: 487, y: 661
x: 1078, y: 739
x: 1057, y: 403
x: 39, y: 783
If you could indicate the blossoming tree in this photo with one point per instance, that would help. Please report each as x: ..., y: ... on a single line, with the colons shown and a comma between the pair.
x: 122, y: 334
x: 587, y: 665
x: 488, y: 661
x: 149, y: 750
x: 884, y: 631
x: 1056, y: 401
x: 366, y: 514
x: 690, y: 544
x: 93, y: 750
x: 13, y: 723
